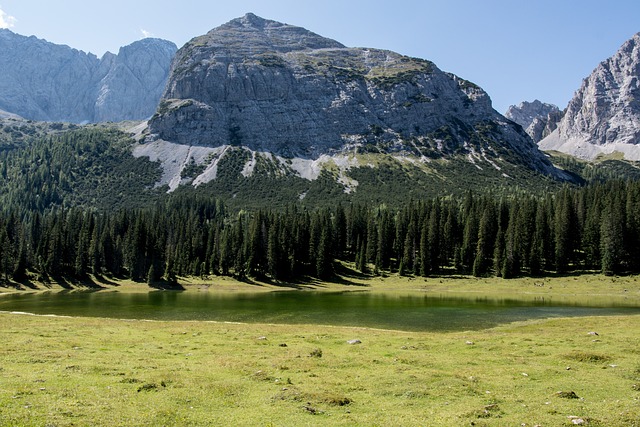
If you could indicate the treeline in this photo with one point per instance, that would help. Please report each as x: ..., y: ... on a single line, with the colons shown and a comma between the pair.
x: 592, y: 228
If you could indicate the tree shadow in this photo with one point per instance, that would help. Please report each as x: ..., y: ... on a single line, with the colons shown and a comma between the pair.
x: 342, y: 274
x: 297, y: 284
x: 164, y: 285
x: 26, y: 283
x: 102, y: 280
x: 68, y: 283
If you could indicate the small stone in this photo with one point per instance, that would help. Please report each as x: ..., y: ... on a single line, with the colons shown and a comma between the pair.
x: 524, y: 374
x: 262, y: 338
x: 568, y: 368
x: 593, y: 333
x: 470, y: 343
x: 353, y: 342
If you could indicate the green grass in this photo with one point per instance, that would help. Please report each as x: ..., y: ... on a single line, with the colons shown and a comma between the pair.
x: 71, y: 371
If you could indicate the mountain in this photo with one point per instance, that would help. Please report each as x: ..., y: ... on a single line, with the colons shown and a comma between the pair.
x: 269, y: 98
x: 604, y: 115
x: 48, y: 82
x: 538, y: 119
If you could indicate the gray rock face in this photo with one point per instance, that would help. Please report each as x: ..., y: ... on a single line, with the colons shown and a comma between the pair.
x: 604, y: 114
x: 134, y: 82
x: 44, y: 81
x: 538, y: 119
x: 541, y: 127
x: 281, y: 89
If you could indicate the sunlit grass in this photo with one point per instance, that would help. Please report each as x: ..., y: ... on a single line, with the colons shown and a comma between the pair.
x: 66, y: 371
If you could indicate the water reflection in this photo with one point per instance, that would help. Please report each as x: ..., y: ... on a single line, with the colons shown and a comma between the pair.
x: 413, y: 312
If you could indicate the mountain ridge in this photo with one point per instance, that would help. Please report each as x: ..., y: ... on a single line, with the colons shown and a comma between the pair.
x: 603, y: 117
x: 44, y: 81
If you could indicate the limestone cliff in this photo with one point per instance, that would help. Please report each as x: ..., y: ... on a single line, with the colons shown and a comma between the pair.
x: 44, y: 81
x: 538, y: 119
x: 604, y: 115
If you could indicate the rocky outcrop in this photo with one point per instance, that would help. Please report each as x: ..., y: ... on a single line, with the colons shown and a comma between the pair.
x: 275, y: 88
x: 48, y: 82
x: 604, y: 115
x: 538, y: 119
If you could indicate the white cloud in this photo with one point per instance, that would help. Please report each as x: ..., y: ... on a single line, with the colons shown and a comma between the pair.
x: 6, y: 21
x: 146, y: 34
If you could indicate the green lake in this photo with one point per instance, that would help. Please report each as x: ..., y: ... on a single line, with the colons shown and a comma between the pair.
x: 410, y: 312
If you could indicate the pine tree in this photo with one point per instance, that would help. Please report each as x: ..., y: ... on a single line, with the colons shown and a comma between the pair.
x: 273, y: 256
x: 361, y: 258
x: 612, y: 236
x: 511, y: 261
x: 565, y: 232
x: 256, y: 246
x: 425, y: 262
x: 485, y: 247
x: 152, y: 276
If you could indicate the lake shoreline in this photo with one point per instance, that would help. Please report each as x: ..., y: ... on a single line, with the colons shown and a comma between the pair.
x: 586, y: 285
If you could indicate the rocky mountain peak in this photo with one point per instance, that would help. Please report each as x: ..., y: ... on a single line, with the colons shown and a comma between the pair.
x: 604, y: 115
x: 251, y: 35
x: 526, y: 112
x: 44, y: 81
x: 537, y: 118
x: 290, y: 94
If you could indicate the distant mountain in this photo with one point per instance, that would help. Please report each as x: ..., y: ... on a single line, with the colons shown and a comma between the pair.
x: 538, y: 119
x: 604, y: 115
x: 274, y: 99
x: 48, y: 82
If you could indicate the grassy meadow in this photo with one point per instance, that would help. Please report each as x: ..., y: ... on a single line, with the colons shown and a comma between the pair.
x: 57, y: 371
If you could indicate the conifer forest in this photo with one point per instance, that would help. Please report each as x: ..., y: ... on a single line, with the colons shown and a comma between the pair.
x: 592, y: 228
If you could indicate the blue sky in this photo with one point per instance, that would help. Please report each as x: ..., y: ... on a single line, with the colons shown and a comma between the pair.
x: 516, y: 50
